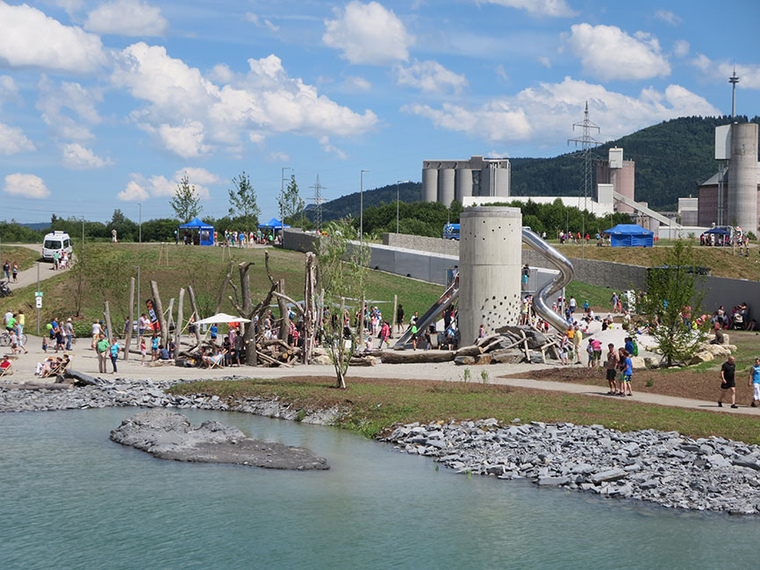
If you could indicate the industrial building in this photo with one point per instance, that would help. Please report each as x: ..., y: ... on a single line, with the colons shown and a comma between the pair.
x: 447, y: 180
x: 730, y: 197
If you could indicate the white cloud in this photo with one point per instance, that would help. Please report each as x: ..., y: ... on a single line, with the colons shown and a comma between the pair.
x: 141, y: 188
x: 190, y: 115
x: 545, y: 61
x: 553, y: 8
x: 28, y: 38
x: 543, y: 114
x: 134, y: 192
x: 26, y: 185
x: 53, y: 101
x: 368, y: 34
x: 357, y: 84
x: 127, y: 18
x: 721, y: 70
x: 278, y: 157
x: 501, y: 72
x: 8, y: 89
x: 260, y: 23
x: 14, y: 141
x: 430, y: 76
x: 71, y: 6
x: 78, y: 157
x: 668, y: 17
x: 608, y: 53
x: 329, y: 148
x: 681, y: 48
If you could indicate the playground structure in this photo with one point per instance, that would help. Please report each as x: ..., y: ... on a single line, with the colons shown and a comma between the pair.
x: 488, y: 284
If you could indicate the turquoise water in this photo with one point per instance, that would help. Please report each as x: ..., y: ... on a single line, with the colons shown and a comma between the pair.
x: 70, y: 498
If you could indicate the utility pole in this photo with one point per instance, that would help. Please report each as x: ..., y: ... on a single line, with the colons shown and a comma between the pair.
x: 282, y: 205
x: 318, y: 203
x: 587, y: 142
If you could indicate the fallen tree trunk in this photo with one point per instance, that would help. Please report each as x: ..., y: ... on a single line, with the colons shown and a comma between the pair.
x: 418, y: 357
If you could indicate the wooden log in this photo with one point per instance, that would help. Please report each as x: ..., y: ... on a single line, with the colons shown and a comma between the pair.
x: 469, y: 351
x: 195, y: 316
x: 283, y: 306
x: 159, y: 312
x: 180, y: 318
x: 417, y: 357
x: 107, y: 316
x: 362, y: 361
x: 220, y: 298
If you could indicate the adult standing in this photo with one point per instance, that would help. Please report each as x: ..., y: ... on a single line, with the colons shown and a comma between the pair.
x: 7, y: 270
x: 611, y: 369
x: 754, y: 381
x: 113, y: 351
x: 69, y: 331
x: 577, y: 340
x: 728, y: 382
x: 15, y: 272
x: 573, y: 305
x: 96, y: 331
x: 400, y: 318
x: 102, y: 348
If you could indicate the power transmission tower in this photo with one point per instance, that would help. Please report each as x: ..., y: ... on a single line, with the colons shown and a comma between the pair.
x: 318, y: 203
x: 586, y: 142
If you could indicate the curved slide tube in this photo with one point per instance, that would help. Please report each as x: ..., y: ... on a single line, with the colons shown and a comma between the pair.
x: 541, y: 306
x: 432, y: 314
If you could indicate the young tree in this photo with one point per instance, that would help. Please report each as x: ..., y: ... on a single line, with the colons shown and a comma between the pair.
x: 186, y: 202
x: 243, y: 201
x: 672, y: 303
x: 290, y: 202
x: 342, y: 268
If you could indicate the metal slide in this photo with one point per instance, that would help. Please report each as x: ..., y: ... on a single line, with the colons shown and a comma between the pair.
x: 432, y: 314
x: 540, y: 304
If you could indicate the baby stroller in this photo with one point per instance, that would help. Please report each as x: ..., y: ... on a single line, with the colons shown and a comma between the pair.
x: 5, y: 291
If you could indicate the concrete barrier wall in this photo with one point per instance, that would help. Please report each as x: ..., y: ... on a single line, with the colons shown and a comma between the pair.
x: 431, y: 244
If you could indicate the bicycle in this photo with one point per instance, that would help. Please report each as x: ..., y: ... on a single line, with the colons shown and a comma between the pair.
x: 6, y: 338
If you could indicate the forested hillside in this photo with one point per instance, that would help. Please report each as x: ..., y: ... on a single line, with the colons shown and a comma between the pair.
x: 672, y: 158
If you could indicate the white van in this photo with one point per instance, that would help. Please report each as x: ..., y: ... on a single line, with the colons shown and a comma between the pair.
x: 56, y: 241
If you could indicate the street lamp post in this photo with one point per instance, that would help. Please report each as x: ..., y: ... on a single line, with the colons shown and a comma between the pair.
x: 361, y: 209
x: 282, y: 205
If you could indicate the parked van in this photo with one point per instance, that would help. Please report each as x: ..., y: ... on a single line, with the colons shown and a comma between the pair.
x: 56, y: 241
x: 451, y: 231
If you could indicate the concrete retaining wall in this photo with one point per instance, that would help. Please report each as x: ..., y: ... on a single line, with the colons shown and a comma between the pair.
x: 434, y: 245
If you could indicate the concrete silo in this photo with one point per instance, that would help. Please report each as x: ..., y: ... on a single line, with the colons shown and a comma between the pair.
x: 446, y: 185
x: 490, y: 257
x: 429, y: 182
x: 742, y: 177
x: 463, y: 183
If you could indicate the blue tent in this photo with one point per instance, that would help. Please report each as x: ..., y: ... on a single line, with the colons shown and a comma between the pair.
x: 205, y: 231
x: 717, y: 231
x: 273, y: 224
x: 630, y: 235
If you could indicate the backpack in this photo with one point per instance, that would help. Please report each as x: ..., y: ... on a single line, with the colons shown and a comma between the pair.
x: 635, y: 348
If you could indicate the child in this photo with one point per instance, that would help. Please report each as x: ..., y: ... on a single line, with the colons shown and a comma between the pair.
x: 44, y: 344
x: 627, y: 367
x: 143, y: 349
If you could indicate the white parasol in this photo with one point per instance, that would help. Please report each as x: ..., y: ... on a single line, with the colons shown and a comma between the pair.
x: 222, y: 318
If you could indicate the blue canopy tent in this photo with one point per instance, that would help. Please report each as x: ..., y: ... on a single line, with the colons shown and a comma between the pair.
x: 717, y: 231
x: 630, y: 235
x: 273, y: 224
x: 205, y: 231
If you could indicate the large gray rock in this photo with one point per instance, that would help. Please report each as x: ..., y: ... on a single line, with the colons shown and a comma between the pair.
x: 168, y: 435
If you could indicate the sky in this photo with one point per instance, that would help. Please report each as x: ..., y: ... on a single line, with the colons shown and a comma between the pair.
x: 107, y: 105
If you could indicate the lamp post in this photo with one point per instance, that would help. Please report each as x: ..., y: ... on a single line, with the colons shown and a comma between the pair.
x: 398, y: 200
x: 139, y: 222
x: 282, y: 205
x: 361, y: 209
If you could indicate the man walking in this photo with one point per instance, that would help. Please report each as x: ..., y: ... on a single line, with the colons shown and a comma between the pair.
x: 727, y: 382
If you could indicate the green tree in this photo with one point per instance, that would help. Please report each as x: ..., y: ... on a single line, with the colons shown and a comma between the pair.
x: 186, y: 202
x: 672, y: 302
x: 290, y: 201
x: 342, y: 268
x: 243, y: 201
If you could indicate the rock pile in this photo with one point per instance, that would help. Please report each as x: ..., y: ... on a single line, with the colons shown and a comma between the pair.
x: 666, y: 468
x: 169, y: 435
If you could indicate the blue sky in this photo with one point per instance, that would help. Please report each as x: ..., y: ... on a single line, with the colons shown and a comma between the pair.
x: 105, y: 105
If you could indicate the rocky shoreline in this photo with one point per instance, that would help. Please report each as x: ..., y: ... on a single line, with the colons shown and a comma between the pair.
x: 664, y: 468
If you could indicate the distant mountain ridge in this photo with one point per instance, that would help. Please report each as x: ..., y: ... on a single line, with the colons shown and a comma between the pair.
x: 672, y: 159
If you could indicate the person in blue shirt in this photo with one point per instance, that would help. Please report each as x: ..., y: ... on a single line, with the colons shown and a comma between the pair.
x: 626, y: 365
x: 629, y: 345
x: 214, y: 333
x: 114, y: 353
x: 754, y: 381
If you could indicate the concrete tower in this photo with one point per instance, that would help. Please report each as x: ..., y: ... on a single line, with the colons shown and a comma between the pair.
x: 490, y: 256
x: 742, y: 177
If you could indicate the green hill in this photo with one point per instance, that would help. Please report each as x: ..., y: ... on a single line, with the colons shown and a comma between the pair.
x: 672, y: 158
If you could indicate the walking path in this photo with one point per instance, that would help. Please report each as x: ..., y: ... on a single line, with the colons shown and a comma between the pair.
x: 29, y: 276
x: 85, y: 360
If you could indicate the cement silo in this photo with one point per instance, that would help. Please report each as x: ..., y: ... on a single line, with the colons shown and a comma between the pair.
x: 429, y: 182
x: 490, y: 256
x: 742, y: 177
x: 446, y: 185
x: 463, y: 183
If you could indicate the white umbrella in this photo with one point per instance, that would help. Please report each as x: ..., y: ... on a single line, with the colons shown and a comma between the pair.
x: 222, y: 318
